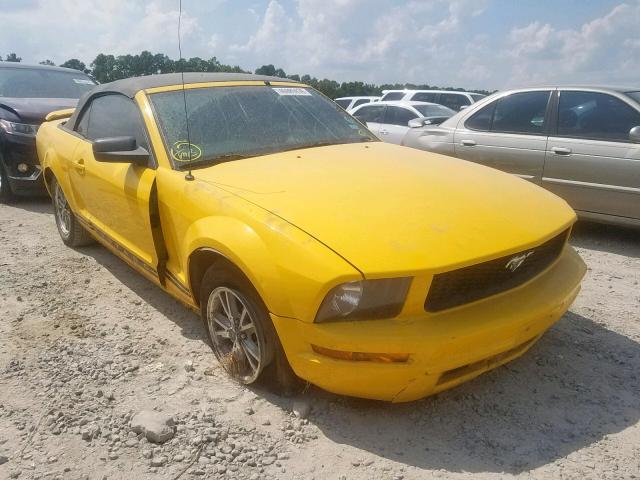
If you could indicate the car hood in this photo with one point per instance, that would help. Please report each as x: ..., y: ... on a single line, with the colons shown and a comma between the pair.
x: 389, y: 209
x: 33, y: 110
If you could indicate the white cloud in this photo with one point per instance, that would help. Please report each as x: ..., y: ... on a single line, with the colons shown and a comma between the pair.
x: 66, y: 28
x: 600, y: 50
x: 330, y: 38
x: 467, y: 43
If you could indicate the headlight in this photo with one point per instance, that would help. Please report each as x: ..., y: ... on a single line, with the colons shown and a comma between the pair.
x: 24, y: 129
x: 364, y: 300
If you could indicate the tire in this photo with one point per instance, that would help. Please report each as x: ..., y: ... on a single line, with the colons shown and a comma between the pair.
x: 71, y: 232
x: 250, y: 351
x: 6, y: 194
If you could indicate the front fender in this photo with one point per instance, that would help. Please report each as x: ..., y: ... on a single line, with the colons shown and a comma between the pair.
x: 290, y: 270
x: 242, y: 247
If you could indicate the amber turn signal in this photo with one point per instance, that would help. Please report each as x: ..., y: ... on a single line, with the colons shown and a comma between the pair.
x: 362, y: 356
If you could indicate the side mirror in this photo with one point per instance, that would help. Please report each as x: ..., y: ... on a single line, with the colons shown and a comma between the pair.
x: 420, y: 122
x: 634, y: 134
x: 120, y: 150
x: 462, y: 107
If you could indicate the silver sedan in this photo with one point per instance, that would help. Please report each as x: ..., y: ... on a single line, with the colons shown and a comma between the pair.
x: 582, y: 143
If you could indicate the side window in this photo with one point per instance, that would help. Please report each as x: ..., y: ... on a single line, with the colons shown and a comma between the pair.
x: 393, y: 96
x: 454, y: 100
x: 425, y: 97
x: 344, y: 103
x: 521, y: 113
x: 481, y: 120
x: 115, y: 116
x: 595, y: 115
x: 361, y: 101
x: 373, y: 113
x: 398, y: 116
x: 83, y: 125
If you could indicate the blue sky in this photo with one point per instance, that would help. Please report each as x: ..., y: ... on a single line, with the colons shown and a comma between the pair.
x: 469, y: 43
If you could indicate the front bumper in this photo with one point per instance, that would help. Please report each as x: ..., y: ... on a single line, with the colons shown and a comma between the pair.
x: 22, y: 150
x: 446, y: 348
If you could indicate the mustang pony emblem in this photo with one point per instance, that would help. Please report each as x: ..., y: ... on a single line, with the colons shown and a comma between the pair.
x: 515, y: 262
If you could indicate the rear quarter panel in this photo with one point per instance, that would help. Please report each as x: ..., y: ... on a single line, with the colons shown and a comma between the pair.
x: 55, y: 148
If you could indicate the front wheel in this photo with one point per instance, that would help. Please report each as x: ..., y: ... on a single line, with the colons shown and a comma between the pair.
x: 237, y: 336
x: 71, y: 232
x: 242, y: 335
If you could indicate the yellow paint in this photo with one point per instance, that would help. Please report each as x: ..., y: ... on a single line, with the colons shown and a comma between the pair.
x: 299, y: 223
x: 59, y: 114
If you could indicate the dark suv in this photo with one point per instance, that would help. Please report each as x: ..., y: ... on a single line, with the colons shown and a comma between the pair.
x: 27, y: 94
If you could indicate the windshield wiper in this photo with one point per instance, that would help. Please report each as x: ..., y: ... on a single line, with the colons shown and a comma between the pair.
x: 208, y: 162
x: 323, y: 144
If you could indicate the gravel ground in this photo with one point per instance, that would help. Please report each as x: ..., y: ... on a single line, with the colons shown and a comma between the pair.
x: 86, y: 344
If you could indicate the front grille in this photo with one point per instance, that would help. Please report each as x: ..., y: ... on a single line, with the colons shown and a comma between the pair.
x: 451, y: 289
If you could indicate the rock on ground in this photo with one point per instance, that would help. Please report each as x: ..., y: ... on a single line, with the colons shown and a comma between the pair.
x: 157, y: 427
x: 86, y: 343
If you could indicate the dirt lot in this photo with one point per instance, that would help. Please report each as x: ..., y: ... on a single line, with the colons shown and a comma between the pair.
x: 86, y: 342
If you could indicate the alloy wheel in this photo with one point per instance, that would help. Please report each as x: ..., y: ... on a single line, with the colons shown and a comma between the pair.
x: 63, y: 213
x: 234, y: 335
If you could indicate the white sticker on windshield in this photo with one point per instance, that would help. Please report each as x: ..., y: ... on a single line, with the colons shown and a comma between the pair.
x: 293, y: 91
x: 83, y: 81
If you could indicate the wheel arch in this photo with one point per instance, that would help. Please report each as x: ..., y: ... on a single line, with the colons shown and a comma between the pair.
x: 48, y: 176
x: 243, y: 250
x: 200, y: 261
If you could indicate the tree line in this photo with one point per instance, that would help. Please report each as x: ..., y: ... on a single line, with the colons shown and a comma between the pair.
x: 107, y: 68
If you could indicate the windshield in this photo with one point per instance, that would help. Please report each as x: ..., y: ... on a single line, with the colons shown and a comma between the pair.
x: 434, y: 110
x: 635, y: 96
x: 229, y: 123
x: 42, y: 83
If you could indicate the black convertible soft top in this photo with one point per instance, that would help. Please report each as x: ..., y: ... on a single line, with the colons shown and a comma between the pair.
x: 131, y: 86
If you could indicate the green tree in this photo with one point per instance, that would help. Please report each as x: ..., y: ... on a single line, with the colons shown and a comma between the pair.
x: 107, y: 68
x: 103, y: 68
x: 269, y: 70
x: 12, y: 57
x: 47, y: 62
x: 75, y: 64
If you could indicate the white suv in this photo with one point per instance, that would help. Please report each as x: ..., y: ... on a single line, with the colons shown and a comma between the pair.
x: 352, y: 102
x: 454, y: 100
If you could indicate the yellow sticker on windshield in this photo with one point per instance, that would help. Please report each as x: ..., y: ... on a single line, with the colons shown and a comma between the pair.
x: 183, y: 151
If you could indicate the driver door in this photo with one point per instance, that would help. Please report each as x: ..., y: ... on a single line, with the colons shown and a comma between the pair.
x: 113, y: 198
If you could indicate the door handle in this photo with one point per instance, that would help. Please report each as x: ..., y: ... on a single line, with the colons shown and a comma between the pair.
x: 79, y: 165
x: 561, y: 150
x: 384, y: 132
x: 468, y: 143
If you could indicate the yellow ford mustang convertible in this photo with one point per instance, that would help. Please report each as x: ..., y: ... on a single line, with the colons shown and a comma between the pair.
x: 310, y: 247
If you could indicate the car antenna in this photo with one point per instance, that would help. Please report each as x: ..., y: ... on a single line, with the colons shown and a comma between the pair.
x: 189, y: 177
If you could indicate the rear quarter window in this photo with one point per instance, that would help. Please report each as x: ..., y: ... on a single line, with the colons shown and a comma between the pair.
x: 362, y: 101
x: 370, y: 113
x: 393, y: 96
